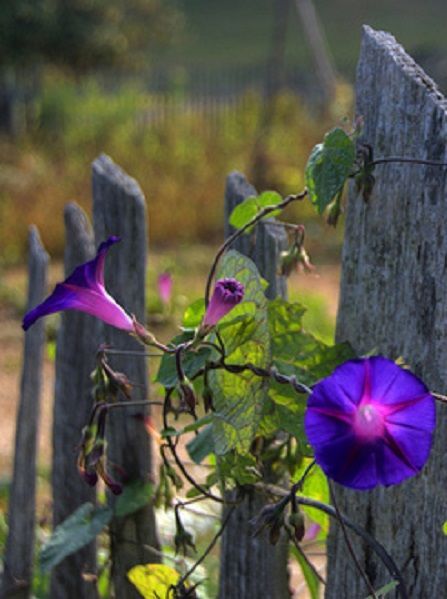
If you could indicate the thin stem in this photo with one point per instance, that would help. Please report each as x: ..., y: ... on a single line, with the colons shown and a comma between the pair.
x: 380, y: 551
x: 393, y: 159
x: 439, y: 397
x: 178, y: 461
x: 178, y: 362
x: 208, y: 549
x: 230, y: 240
x: 349, y: 544
x: 262, y: 372
x: 283, y: 224
x: 182, y: 503
x: 129, y: 404
x: 130, y: 352
x: 299, y: 484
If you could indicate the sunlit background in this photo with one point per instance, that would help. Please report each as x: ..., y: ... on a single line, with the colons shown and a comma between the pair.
x: 179, y: 93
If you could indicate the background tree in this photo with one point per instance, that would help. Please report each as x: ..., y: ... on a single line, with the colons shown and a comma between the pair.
x: 76, y: 36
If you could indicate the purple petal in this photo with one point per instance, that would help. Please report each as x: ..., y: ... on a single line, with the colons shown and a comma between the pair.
x: 91, y: 274
x: 411, y: 446
x: 419, y: 414
x: 165, y: 287
x: 370, y: 422
x: 391, y: 384
x: 84, y: 290
x: 360, y: 471
x: 227, y: 294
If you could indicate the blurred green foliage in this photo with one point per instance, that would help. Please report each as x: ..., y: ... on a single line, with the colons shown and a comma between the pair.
x: 81, y: 35
x: 210, y: 24
x: 178, y: 154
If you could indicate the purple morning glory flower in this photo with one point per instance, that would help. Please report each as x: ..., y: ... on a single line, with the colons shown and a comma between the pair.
x: 227, y: 294
x: 84, y: 290
x: 370, y: 422
x: 165, y: 287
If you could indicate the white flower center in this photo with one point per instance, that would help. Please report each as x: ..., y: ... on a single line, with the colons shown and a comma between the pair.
x: 368, y: 423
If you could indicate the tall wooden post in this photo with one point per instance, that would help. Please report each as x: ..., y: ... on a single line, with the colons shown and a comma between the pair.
x: 75, y: 359
x: 394, y: 298
x: 252, y: 567
x: 119, y: 208
x: 19, y: 553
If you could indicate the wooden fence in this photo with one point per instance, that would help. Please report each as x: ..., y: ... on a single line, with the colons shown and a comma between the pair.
x: 394, y: 298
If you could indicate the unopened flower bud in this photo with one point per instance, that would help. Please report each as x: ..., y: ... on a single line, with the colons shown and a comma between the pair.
x: 165, y: 287
x: 187, y: 395
x: 270, y: 516
x: 90, y: 477
x: 289, y: 261
x: 118, y: 382
x: 142, y: 333
x: 296, y: 521
x: 334, y: 212
x: 305, y: 261
x: 207, y: 399
x: 115, y: 487
x: 275, y: 530
x: 226, y: 295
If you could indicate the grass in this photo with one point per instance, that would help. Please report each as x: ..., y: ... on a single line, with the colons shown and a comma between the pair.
x: 171, y: 160
x: 220, y: 34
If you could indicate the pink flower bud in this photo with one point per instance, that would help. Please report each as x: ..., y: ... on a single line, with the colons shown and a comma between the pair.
x: 227, y: 294
x: 165, y: 287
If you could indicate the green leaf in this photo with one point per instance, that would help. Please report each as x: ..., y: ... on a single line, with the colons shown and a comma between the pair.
x: 73, y: 533
x: 193, y: 361
x: 153, y: 581
x: 269, y: 198
x: 298, y: 353
x: 135, y: 496
x: 201, y: 445
x: 239, y: 398
x: 244, y: 212
x: 295, y: 351
x: 328, y: 167
x: 289, y: 409
x: 313, y: 584
x: 444, y: 528
x: 385, y: 589
x: 242, y: 469
x: 239, y: 326
x: 193, y: 314
x: 189, y: 428
x: 315, y: 486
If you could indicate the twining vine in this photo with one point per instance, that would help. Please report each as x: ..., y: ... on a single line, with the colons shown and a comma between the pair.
x: 258, y: 389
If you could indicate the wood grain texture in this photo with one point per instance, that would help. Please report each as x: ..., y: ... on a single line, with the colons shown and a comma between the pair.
x: 119, y: 208
x: 252, y: 567
x: 77, y: 343
x: 19, y: 552
x: 394, y: 299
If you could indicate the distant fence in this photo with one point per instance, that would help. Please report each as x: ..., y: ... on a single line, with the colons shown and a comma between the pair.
x: 172, y: 90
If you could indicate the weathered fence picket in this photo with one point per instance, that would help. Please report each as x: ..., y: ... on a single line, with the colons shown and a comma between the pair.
x: 252, y: 567
x: 75, y: 360
x: 394, y: 299
x: 119, y: 208
x: 19, y: 553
